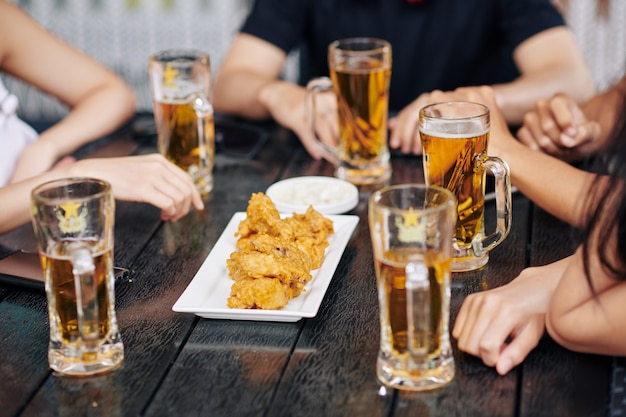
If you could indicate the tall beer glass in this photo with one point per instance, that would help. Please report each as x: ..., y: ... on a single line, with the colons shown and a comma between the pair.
x: 411, y: 229
x: 360, y: 73
x: 73, y: 221
x: 181, y: 82
x: 454, y: 138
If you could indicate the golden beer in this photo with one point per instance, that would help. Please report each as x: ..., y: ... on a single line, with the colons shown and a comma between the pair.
x: 180, y: 81
x: 391, y: 275
x: 73, y: 219
x: 453, y: 162
x: 187, y: 140
x: 57, y: 267
x: 411, y: 227
x: 360, y: 74
x: 454, y: 136
x: 362, y: 102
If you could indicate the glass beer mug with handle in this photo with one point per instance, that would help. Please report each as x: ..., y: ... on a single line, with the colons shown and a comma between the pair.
x: 360, y: 73
x: 455, y: 136
x: 411, y: 228
x: 73, y: 221
x: 181, y: 85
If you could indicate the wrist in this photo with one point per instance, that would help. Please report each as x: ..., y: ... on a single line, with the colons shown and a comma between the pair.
x: 46, y: 144
x: 269, y: 93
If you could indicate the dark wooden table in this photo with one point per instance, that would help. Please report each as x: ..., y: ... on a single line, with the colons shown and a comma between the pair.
x: 178, y: 364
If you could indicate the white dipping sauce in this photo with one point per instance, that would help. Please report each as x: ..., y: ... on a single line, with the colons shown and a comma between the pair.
x: 326, y: 194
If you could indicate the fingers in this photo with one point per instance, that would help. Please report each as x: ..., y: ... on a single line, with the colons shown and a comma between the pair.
x: 327, y: 127
x: 310, y: 143
x: 557, y: 127
x: 533, y: 135
x: 323, y: 129
x: 147, y: 178
x: 404, y: 128
x: 586, y: 132
x: 492, y: 328
x: 405, y: 132
x: 520, y: 346
x: 177, y: 193
x: 484, y: 333
x: 546, y: 117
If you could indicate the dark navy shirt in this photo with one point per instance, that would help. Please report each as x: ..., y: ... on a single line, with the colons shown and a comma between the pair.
x: 439, y: 44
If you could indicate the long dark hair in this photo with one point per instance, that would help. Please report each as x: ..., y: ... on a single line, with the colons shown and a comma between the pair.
x: 606, y: 206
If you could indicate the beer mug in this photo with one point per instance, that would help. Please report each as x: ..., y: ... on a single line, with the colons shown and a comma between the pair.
x: 181, y: 82
x: 411, y: 227
x: 360, y: 72
x: 73, y: 221
x: 454, y: 138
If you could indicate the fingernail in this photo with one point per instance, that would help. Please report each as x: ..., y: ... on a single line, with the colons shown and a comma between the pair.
x: 504, y: 366
x: 568, y: 139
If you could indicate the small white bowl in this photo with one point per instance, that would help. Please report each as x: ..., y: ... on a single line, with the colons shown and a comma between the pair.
x: 327, y: 195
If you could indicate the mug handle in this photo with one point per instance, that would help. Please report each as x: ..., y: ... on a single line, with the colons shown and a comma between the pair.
x: 203, y: 108
x: 501, y: 172
x: 313, y: 87
x: 417, y: 310
x: 86, y: 287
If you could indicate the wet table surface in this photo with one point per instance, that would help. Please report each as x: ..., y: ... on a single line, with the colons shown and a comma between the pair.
x: 179, y: 364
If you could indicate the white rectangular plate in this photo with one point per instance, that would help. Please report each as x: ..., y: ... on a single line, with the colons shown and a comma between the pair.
x: 208, y: 292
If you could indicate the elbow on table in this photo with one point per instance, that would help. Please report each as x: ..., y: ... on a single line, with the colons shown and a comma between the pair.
x: 572, y: 335
x: 562, y: 333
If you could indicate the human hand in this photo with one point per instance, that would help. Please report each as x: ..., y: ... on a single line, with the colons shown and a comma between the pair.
x: 404, y: 127
x: 287, y: 105
x: 405, y: 131
x: 502, y: 325
x: 146, y: 178
x: 558, y: 127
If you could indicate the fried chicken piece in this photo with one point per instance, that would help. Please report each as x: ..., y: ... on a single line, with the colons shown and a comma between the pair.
x: 262, y: 217
x: 258, y: 293
x: 311, y: 231
x: 242, y: 265
x: 274, y: 256
x: 273, y: 244
x: 314, y: 248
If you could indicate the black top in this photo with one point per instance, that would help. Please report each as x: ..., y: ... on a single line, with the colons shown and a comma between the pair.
x: 439, y: 44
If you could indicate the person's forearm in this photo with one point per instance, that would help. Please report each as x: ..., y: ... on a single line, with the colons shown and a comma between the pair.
x: 238, y: 93
x: 15, y: 198
x: 518, y: 97
x: 554, y: 185
x: 549, y: 62
x: 97, y: 115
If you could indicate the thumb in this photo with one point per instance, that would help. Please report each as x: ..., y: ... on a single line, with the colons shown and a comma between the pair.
x: 586, y: 132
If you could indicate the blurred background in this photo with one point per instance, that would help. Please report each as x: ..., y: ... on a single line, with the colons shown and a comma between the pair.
x: 122, y: 34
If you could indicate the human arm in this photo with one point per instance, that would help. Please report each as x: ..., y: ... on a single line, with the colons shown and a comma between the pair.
x: 552, y: 184
x: 548, y: 62
x: 99, y: 101
x: 145, y: 178
x: 582, y: 321
x: 560, y: 127
x: 248, y: 84
x: 502, y: 325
